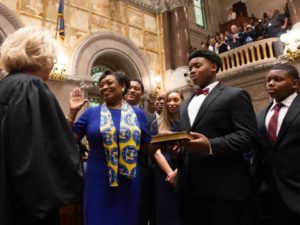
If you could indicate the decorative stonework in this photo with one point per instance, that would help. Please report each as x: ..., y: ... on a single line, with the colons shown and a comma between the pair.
x: 199, y: 33
x: 151, y: 6
x: 172, y: 4
x: 9, y: 22
x: 113, y: 50
x: 244, y: 70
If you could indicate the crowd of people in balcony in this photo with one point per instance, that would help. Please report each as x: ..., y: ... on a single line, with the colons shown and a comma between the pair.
x: 272, y: 24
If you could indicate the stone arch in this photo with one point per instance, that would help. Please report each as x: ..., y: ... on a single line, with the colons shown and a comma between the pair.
x: 9, y: 22
x: 111, y: 50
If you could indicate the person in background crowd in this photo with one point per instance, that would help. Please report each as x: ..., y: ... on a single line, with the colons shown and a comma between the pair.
x: 204, y: 45
x: 235, y: 38
x: 116, y: 133
x: 277, y: 165
x: 166, y: 170
x: 134, y: 96
x: 147, y: 206
x: 159, y: 103
x: 213, y: 44
x: 222, y: 45
x: 249, y: 34
x: 40, y: 165
x: 277, y: 23
x: 260, y: 30
x: 213, y: 179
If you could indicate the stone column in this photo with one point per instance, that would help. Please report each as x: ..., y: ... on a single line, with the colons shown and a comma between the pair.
x: 294, y: 10
x: 181, y: 43
x: 169, y: 56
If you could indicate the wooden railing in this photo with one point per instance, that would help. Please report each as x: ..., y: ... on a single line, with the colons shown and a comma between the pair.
x: 255, y: 52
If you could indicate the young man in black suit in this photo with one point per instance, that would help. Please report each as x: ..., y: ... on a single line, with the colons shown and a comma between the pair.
x: 213, y: 183
x: 279, y: 130
x: 147, y: 206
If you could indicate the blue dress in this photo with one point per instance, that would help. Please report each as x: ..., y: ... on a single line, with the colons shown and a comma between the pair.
x: 105, y: 205
x: 165, y: 198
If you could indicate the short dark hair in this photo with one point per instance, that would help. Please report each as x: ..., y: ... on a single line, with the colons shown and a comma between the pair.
x: 120, y: 77
x: 140, y: 82
x: 208, y: 55
x: 290, y: 69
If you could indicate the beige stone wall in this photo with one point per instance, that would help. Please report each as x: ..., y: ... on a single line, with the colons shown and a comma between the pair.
x: 254, y: 84
x: 62, y: 90
x: 85, y: 16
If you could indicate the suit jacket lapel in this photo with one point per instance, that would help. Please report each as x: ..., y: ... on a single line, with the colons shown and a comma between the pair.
x: 291, y: 114
x: 185, y: 115
x: 261, y: 119
x: 207, y: 102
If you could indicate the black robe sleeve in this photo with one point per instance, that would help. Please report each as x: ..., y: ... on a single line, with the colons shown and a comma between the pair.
x: 42, y: 163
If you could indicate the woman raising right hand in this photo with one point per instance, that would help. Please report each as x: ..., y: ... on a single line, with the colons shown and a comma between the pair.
x: 115, y: 132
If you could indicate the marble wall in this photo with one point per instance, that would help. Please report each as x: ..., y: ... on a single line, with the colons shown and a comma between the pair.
x: 83, y: 17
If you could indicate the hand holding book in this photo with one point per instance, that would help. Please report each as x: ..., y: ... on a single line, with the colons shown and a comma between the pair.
x: 172, y: 137
x: 200, y: 143
x: 172, y: 142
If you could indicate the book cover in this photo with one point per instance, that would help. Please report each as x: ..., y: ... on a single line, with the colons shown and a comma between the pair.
x: 176, y: 136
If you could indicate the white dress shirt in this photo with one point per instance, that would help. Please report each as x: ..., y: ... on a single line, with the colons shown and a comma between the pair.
x: 282, y: 112
x: 196, y: 102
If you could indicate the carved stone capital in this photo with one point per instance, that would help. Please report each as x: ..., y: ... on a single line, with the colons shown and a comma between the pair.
x: 177, y: 3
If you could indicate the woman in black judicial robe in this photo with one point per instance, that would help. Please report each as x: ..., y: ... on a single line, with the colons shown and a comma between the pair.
x: 39, y: 161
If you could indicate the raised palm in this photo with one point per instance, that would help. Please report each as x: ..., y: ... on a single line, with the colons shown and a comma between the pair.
x: 76, y: 99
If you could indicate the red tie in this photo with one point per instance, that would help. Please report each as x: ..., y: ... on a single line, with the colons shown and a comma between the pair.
x: 200, y: 91
x: 273, y: 123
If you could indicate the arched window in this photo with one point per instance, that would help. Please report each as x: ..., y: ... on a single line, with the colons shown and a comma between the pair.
x: 199, y: 13
x: 96, y: 73
x: 93, y: 97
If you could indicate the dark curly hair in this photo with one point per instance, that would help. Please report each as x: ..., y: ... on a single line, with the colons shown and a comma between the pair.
x: 120, y: 76
x: 208, y: 55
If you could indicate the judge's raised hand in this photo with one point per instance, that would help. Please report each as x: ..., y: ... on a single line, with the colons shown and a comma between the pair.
x: 76, y: 99
x: 199, y: 144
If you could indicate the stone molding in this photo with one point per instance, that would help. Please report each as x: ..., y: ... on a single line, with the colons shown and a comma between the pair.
x: 172, y: 4
x: 151, y: 6
x: 199, y: 33
x: 101, y: 43
x: 246, y: 69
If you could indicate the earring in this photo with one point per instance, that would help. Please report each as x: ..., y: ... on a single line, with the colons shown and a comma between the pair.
x: 123, y: 89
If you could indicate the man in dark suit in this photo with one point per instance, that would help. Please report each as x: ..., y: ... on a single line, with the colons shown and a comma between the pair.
x: 159, y: 103
x: 279, y: 130
x: 213, y: 183
x: 147, y: 210
x: 134, y: 95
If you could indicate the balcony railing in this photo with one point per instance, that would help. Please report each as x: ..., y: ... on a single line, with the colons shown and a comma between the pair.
x: 251, y: 54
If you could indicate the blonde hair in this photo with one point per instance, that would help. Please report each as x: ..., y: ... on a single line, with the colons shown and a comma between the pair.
x: 28, y: 48
x: 164, y: 124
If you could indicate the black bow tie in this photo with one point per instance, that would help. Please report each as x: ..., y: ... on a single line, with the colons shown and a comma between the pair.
x: 200, y: 91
